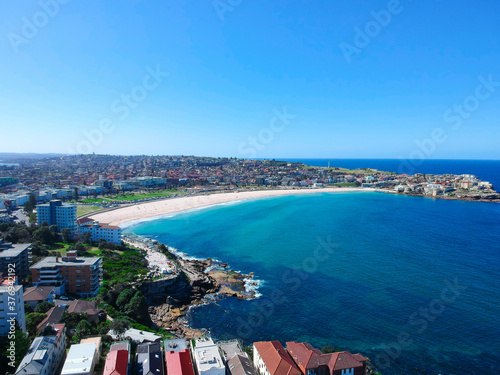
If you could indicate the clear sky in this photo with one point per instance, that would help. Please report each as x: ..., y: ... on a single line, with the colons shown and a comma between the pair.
x: 360, y: 79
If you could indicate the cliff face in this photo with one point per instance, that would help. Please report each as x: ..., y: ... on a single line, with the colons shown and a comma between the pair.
x: 169, y: 299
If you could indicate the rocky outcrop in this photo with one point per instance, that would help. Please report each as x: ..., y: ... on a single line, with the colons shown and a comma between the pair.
x: 169, y: 299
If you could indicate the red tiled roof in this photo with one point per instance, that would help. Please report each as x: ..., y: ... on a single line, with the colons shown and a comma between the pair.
x: 310, y: 358
x: 84, y: 220
x: 116, y: 363
x: 179, y: 363
x: 276, y: 359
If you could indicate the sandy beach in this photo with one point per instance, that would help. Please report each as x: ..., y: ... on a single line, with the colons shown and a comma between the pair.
x: 146, y: 210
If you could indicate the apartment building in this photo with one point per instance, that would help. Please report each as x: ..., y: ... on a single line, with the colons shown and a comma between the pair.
x: 11, y: 306
x: 63, y: 215
x: 98, y: 231
x: 14, y: 259
x: 45, y: 353
x: 81, y: 276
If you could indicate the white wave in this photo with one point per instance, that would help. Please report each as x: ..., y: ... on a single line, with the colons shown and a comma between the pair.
x: 252, y: 286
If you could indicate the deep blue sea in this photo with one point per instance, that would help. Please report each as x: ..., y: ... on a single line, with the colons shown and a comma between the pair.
x: 413, y: 283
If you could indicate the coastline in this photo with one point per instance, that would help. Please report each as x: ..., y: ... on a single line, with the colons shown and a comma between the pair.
x: 157, y: 209
x: 191, y: 282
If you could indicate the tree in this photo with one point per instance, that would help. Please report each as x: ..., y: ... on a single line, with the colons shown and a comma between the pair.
x: 124, y: 298
x: 38, y: 249
x: 27, y: 308
x: 66, y: 233
x: 43, y: 307
x: 44, y: 235
x: 85, y: 237
x: 101, y: 244
x: 137, y: 309
x: 84, y: 328
x: 329, y: 349
x: 72, y: 319
x: 79, y: 248
x: 119, y: 326
x: 8, y: 364
x: 32, y: 320
x: 29, y: 206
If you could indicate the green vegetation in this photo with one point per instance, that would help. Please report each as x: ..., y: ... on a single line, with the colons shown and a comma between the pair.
x: 124, y: 266
x: 85, y: 210
x: 346, y: 184
x: 132, y: 196
x: 43, y: 307
x: 21, y: 345
x: 329, y: 349
x: 119, y: 326
x: 32, y: 320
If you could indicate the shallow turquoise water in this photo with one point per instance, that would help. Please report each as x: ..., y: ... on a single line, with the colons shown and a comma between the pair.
x: 411, y: 282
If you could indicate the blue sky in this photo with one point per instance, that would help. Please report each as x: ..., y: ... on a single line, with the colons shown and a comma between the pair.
x: 233, y: 65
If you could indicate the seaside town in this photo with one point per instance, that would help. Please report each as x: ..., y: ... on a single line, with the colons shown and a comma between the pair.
x: 78, y: 296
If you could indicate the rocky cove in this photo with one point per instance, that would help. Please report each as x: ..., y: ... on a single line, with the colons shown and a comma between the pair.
x: 195, y: 282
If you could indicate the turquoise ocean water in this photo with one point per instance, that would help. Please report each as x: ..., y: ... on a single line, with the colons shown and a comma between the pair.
x: 411, y: 282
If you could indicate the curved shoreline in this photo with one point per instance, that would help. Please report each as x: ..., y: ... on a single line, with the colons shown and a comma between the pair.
x: 156, y: 209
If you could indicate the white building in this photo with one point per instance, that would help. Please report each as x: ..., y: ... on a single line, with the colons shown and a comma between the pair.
x: 108, y: 232
x: 63, y: 215
x: 45, y: 353
x: 207, y: 358
x: 11, y: 306
x: 81, y: 359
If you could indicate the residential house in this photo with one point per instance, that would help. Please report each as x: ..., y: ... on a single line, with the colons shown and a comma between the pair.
x: 270, y: 358
x: 94, y: 314
x: 229, y: 349
x: 137, y: 336
x: 175, y: 345
x: 94, y: 340
x: 38, y: 294
x: 207, y: 358
x: 149, y: 359
x: 54, y: 316
x: 116, y: 363
x: 178, y: 362
x: 241, y: 365
x: 81, y: 359
x: 312, y: 361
